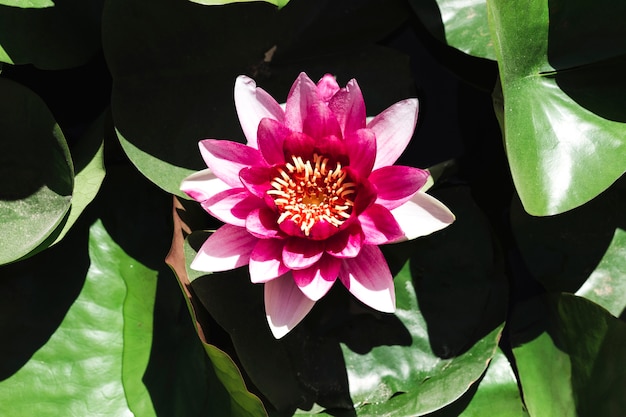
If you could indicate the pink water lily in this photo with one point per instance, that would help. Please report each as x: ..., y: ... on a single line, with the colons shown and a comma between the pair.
x: 311, y: 196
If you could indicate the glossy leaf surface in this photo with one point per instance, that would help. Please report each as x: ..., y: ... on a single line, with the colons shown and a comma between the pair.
x: 607, y: 284
x: 460, y: 24
x: 569, y: 354
x: 96, y: 357
x: 563, y: 86
x: 36, y: 172
x: 562, y: 251
x: 35, y: 4
x: 496, y: 394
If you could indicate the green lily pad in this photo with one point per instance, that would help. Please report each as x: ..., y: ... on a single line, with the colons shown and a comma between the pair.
x: 563, y: 86
x: 95, y: 358
x: 37, y: 174
x: 562, y: 251
x: 570, y: 357
x: 174, y: 66
x: 49, y: 35
x: 460, y: 24
x: 26, y: 4
x: 606, y: 285
x: 497, y: 394
x: 88, y: 157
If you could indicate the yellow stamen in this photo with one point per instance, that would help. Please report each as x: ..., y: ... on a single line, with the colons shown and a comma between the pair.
x: 307, y: 192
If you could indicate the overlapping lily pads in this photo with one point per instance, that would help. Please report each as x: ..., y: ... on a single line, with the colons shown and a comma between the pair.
x: 43, y: 189
x: 570, y: 356
x: 37, y: 174
x: 563, y: 86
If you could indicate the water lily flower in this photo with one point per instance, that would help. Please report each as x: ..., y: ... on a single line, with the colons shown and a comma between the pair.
x: 312, y: 195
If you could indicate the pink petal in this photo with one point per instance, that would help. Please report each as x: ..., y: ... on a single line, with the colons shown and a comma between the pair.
x: 202, y: 185
x: 396, y: 184
x: 366, y: 196
x: 305, y: 111
x: 266, y: 261
x: 302, y: 95
x: 327, y: 87
x: 262, y: 224
x: 232, y: 206
x: 315, y: 281
x: 253, y: 104
x: 256, y: 180
x: 421, y: 216
x: 347, y: 243
x: 285, y: 305
x: 228, y: 248
x: 349, y: 108
x: 361, y: 149
x: 301, y: 253
x: 271, y: 136
x: 368, y: 278
x: 394, y: 128
x: 298, y: 144
x: 320, y: 122
x: 226, y: 159
x: 379, y: 226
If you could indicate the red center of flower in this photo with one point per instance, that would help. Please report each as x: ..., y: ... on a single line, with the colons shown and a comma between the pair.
x: 307, y: 192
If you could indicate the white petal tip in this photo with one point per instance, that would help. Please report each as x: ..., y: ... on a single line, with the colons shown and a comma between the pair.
x: 278, y: 331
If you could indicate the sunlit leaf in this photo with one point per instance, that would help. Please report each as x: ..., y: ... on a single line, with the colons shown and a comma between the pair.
x: 36, y: 172
x: 460, y: 24
x: 35, y: 4
x: 88, y: 158
x: 562, y: 251
x: 49, y: 34
x: 607, y: 284
x: 496, y: 394
x: 570, y: 357
x: 563, y: 89
x: 96, y: 357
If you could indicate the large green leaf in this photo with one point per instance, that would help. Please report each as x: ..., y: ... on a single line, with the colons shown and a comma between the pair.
x: 62, y: 34
x: 36, y: 4
x: 561, y: 251
x: 570, y: 357
x: 460, y: 24
x: 563, y: 90
x: 96, y: 357
x: 174, y: 65
x: 88, y: 158
x: 37, y: 175
x: 606, y: 286
x: 496, y: 394
x: 343, y: 355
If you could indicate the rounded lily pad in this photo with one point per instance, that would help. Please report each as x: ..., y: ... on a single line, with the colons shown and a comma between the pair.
x: 36, y: 172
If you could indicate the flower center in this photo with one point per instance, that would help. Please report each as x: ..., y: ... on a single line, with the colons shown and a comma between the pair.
x: 307, y: 192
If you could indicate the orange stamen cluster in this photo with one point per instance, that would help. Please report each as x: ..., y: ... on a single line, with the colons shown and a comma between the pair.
x: 307, y: 192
